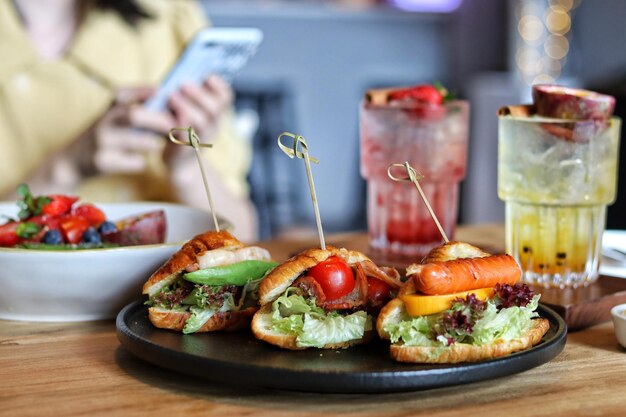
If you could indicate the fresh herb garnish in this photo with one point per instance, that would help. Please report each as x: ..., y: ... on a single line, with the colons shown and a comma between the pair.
x: 29, y: 205
x: 27, y: 230
x: 446, y: 94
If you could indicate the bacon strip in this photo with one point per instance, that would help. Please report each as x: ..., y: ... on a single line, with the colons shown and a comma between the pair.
x: 311, y: 288
x: 389, y: 276
x: 361, y: 281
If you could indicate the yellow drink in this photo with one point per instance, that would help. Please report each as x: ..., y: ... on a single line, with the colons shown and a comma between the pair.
x: 557, y: 178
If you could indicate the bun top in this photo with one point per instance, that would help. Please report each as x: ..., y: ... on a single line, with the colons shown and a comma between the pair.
x: 454, y: 250
x: 447, y: 252
x: 281, y: 277
x: 188, y: 255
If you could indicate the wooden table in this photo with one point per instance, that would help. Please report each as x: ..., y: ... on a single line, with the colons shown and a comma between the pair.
x: 72, y: 369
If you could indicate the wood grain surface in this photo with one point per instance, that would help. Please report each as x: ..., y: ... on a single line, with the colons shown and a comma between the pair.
x: 79, y: 369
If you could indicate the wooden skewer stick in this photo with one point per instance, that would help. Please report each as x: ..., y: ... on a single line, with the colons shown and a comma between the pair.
x: 194, y: 142
x: 414, y: 177
x: 293, y: 152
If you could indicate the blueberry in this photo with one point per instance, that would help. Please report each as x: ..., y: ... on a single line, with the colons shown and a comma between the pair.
x: 91, y: 235
x: 53, y: 237
x: 107, y: 227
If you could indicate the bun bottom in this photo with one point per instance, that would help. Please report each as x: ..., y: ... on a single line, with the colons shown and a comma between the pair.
x: 262, y: 330
x: 462, y: 352
x: 226, y: 321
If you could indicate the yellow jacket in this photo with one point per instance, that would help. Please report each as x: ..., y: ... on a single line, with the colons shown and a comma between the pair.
x: 45, y: 105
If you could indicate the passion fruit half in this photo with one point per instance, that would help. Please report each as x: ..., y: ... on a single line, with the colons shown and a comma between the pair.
x: 560, y: 102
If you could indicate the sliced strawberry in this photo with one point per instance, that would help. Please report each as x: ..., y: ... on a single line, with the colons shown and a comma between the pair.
x: 8, y: 234
x: 46, y: 220
x: 91, y: 213
x: 60, y: 204
x: 73, y: 227
x: 421, y: 102
x: 423, y: 93
x: 37, y: 237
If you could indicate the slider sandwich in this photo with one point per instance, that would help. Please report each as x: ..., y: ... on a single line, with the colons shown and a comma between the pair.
x: 326, y: 299
x: 461, y: 305
x: 210, y: 284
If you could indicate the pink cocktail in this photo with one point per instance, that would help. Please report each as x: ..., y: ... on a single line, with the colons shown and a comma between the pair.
x: 433, y: 139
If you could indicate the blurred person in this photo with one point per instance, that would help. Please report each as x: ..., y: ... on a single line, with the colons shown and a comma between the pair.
x: 72, y: 79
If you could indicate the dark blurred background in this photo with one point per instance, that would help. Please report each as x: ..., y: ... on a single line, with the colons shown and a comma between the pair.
x: 319, y: 57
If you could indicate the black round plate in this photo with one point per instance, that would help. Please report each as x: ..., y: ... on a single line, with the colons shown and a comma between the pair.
x: 240, y: 359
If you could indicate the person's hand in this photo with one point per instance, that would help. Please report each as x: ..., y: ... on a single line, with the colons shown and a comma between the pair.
x: 201, y: 106
x: 127, y: 133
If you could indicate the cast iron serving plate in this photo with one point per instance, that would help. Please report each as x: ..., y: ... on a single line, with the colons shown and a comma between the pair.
x: 238, y: 358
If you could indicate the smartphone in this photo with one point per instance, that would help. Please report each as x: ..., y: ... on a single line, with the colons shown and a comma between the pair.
x: 220, y: 51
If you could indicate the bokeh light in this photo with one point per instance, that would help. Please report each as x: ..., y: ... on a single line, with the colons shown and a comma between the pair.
x: 530, y: 28
x: 556, y: 46
x: 558, y: 21
x: 543, y: 27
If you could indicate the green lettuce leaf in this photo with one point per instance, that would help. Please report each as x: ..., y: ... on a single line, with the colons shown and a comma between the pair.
x: 294, y: 315
x: 200, y: 316
x: 317, y: 332
x: 505, y: 324
x: 250, y: 294
x: 415, y: 331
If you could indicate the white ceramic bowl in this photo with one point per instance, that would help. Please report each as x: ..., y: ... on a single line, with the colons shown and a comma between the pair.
x: 618, y: 314
x: 42, y: 285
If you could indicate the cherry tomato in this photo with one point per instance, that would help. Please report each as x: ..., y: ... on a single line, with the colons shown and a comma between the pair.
x: 91, y: 213
x: 377, y: 290
x: 60, y: 204
x: 73, y: 228
x: 8, y: 234
x: 334, y: 276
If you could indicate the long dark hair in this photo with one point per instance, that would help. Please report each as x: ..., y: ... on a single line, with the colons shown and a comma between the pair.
x: 129, y: 10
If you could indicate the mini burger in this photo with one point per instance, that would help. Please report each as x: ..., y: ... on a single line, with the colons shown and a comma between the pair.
x: 326, y: 299
x: 210, y: 284
x: 461, y: 305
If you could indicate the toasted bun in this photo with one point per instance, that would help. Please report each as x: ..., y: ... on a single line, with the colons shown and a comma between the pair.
x: 187, y: 255
x: 281, y: 277
x: 262, y: 330
x: 175, y: 320
x: 454, y: 250
x: 462, y: 352
x: 393, y: 312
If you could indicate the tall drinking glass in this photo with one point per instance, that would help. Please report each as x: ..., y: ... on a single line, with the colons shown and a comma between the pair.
x: 557, y: 177
x: 433, y: 139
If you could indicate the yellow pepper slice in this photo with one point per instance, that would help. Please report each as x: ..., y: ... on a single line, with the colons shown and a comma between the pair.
x: 423, y: 305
